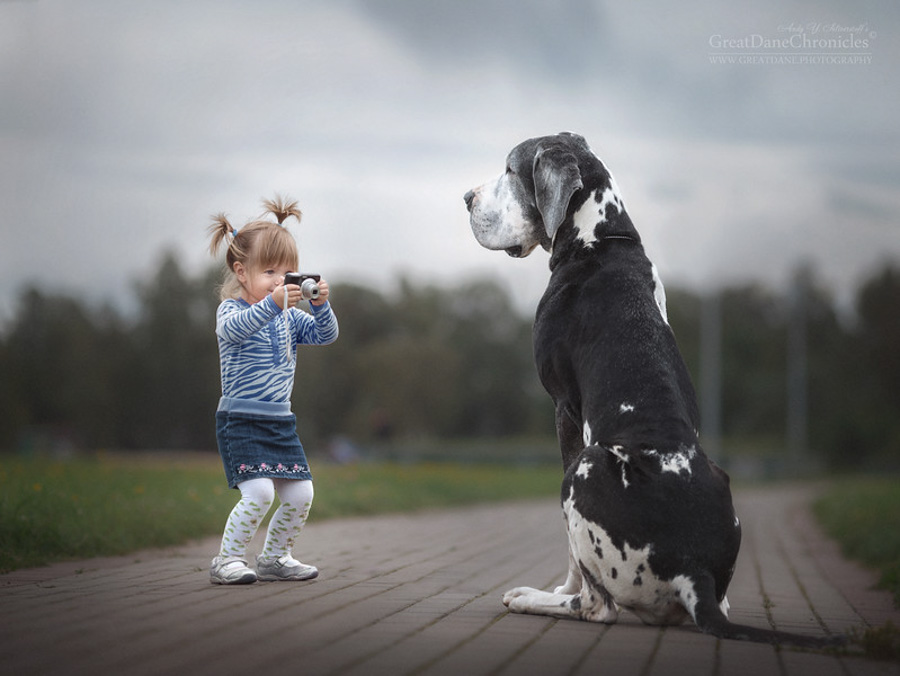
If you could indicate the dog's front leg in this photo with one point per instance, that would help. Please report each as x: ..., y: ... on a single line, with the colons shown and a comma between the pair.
x: 584, y: 605
x: 573, y: 580
x: 569, y: 434
x: 571, y: 443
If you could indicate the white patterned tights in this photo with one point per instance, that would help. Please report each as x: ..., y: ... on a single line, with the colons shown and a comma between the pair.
x: 257, y: 496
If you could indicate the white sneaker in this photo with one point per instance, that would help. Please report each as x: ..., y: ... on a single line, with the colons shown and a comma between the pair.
x: 284, y: 568
x: 230, y: 570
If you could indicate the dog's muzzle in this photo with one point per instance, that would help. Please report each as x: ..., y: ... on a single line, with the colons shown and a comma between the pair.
x: 516, y: 251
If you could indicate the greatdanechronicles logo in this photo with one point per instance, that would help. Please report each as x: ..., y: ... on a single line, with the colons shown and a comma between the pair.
x: 796, y: 44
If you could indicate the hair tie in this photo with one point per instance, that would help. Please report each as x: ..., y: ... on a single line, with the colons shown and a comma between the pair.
x: 234, y: 233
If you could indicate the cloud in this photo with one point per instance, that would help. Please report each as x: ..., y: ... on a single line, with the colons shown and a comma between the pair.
x: 547, y: 41
x: 125, y: 126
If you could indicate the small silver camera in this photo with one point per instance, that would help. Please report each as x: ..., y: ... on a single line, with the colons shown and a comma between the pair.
x: 309, y: 284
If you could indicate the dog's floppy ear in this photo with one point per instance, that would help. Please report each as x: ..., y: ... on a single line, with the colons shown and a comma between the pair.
x: 556, y: 179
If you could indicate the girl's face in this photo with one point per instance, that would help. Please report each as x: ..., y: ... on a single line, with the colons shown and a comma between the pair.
x: 258, y: 284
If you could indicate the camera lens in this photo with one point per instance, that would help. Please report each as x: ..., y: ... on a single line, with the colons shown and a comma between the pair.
x: 309, y: 290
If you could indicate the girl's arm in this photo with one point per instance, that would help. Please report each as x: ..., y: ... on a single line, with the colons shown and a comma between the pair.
x: 319, y: 329
x: 235, y: 322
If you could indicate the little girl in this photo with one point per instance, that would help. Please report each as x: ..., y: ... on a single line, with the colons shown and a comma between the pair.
x: 259, y: 329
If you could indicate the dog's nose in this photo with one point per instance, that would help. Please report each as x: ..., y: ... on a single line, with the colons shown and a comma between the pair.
x: 469, y: 197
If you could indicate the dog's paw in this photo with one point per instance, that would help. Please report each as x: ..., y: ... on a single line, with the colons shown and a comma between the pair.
x: 513, y: 594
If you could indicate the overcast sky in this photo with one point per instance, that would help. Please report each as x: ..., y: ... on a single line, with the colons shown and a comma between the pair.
x: 125, y: 125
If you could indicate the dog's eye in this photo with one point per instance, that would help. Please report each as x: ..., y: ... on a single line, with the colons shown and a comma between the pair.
x: 509, y: 170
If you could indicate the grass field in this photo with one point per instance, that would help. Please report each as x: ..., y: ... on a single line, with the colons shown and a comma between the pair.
x: 863, y: 515
x: 113, y: 504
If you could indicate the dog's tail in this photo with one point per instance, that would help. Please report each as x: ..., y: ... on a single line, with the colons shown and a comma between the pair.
x: 711, y: 620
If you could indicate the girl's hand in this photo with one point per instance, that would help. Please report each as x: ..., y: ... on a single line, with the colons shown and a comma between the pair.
x: 323, y: 293
x: 293, y: 295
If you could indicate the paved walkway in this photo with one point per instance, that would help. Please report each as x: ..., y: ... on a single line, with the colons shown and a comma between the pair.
x: 420, y: 594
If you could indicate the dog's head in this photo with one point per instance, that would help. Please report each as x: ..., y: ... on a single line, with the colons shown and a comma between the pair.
x: 526, y: 204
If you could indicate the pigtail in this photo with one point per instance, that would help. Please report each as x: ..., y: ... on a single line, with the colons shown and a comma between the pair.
x: 218, y: 231
x: 281, y: 208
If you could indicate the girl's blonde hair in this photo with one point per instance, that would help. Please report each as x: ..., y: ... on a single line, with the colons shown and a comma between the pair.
x: 259, y: 245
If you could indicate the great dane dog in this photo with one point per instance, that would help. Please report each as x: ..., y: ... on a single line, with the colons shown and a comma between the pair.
x: 650, y: 520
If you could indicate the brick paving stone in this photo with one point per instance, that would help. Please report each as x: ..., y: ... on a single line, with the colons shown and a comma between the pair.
x: 419, y: 594
x: 628, y: 648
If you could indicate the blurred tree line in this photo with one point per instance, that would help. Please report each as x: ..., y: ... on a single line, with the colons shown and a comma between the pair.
x: 429, y: 362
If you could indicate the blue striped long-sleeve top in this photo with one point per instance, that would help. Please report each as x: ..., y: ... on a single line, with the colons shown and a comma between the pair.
x: 257, y: 365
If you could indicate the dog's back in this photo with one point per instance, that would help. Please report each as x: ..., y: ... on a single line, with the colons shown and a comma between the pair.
x: 606, y: 354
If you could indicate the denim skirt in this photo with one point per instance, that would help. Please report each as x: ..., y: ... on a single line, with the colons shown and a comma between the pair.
x: 254, y: 446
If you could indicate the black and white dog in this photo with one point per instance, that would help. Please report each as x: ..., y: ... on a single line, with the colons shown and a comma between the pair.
x: 649, y: 517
